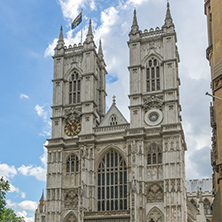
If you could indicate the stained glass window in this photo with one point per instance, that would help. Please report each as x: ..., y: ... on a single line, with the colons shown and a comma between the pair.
x: 112, y: 190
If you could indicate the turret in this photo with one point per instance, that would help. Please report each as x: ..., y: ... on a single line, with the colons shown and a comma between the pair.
x: 59, y: 49
x: 134, y: 33
x: 89, y: 42
x: 168, y: 24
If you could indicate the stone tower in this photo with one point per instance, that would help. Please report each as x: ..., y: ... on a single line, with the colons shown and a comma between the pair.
x: 100, y: 167
x: 155, y: 122
x: 213, y: 10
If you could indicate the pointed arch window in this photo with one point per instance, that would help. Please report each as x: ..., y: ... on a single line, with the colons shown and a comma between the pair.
x: 154, y: 155
x: 153, y: 75
x: 112, y: 183
x: 207, y: 207
x: 74, y: 88
x: 72, y: 164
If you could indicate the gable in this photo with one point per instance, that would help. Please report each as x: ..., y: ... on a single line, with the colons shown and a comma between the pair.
x: 113, y: 117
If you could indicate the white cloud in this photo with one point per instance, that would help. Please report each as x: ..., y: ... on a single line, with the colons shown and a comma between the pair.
x: 23, y: 195
x: 44, y: 113
x: 24, y: 214
x: 13, y: 189
x: 7, y: 171
x: 39, y: 172
x: 10, y: 203
x: 23, y: 96
x: 71, y: 9
x: 28, y: 205
x: 50, y: 49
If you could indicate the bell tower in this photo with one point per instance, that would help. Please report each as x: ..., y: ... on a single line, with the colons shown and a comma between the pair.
x: 155, y: 124
x: 79, y: 93
x: 78, y: 87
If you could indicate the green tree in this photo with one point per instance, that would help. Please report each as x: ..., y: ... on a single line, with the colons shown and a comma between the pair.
x: 6, y: 214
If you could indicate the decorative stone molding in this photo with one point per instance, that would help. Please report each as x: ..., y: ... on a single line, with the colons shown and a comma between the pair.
x: 153, y: 102
x: 154, y: 193
x: 155, y: 215
x: 72, y: 113
x: 71, y: 199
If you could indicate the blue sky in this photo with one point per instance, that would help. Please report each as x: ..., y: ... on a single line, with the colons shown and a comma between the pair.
x: 29, y: 32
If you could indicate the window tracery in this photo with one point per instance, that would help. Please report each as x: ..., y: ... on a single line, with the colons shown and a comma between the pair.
x: 112, y: 183
x: 74, y: 88
x: 207, y: 208
x: 72, y: 164
x: 153, y: 75
x: 154, y: 155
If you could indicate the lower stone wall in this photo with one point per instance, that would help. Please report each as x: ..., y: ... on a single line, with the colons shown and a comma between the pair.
x: 216, y: 208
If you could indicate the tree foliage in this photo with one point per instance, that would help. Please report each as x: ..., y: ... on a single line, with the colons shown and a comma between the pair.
x: 6, y: 214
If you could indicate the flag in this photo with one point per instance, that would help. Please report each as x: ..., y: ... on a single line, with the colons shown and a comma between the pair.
x: 76, y: 21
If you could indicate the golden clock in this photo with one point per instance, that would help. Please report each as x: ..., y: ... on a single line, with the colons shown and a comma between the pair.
x: 72, y: 128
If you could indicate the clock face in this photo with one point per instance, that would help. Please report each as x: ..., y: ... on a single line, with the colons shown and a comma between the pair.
x: 72, y: 128
x: 153, y: 117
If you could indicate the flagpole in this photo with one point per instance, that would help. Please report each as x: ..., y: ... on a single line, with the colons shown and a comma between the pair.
x: 81, y: 28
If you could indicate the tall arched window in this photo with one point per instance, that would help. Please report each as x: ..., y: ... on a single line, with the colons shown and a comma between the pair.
x: 154, y: 155
x: 112, y: 183
x: 153, y: 75
x: 207, y: 209
x: 72, y: 164
x: 74, y: 88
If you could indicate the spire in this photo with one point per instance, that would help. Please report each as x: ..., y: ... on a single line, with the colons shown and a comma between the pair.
x: 61, y: 34
x: 89, y: 36
x: 135, y: 19
x: 168, y: 20
x: 100, y: 51
x: 134, y: 27
x: 90, y: 28
x: 42, y: 197
x: 60, y: 42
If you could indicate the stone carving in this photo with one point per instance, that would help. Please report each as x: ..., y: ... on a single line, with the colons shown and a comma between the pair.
x: 172, y: 185
x: 134, y: 147
x: 71, y: 218
x: 154, y: 193
x: 72, y: 113
x: 153, y: 102
x: 71, y: 199
x: 83, y: 189
x: 133, y: 185
x: 155, y: 215
x: 167, y: 185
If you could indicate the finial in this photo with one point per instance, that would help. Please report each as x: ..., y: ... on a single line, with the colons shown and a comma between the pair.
x: 61, y: 34
x: 90, y: 28
x: 168, y: 19
x: 89, y: 36
x: 114, y: 99
x: 100, y: 51
x: 134, y: 27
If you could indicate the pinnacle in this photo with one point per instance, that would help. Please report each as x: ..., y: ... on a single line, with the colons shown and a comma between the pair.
x: 61, y: 34
x: 90, y: 28
x: 100, y: 51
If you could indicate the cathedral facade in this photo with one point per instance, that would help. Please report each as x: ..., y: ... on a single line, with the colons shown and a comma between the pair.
x: 102, y: 167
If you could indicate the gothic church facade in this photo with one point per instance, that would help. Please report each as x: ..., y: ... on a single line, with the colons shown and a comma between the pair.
x: 101, y: 167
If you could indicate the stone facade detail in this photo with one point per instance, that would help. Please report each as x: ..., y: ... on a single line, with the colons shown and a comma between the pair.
x: 115, y: 170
